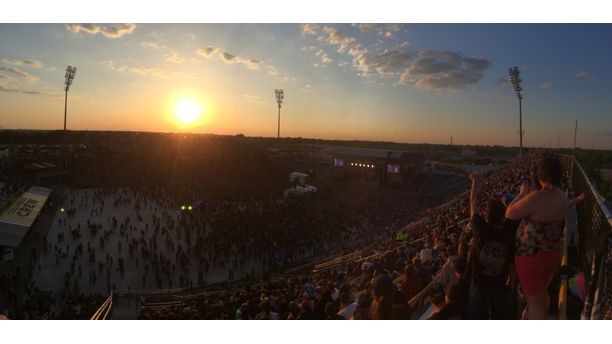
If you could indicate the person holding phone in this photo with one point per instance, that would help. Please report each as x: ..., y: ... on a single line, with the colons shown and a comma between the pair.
x: 540, y: 235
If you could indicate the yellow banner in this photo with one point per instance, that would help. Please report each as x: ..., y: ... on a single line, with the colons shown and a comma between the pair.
x: 24, y: 210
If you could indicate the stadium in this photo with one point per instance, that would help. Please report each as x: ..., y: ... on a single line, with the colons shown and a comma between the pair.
x: 187, y: 241
x: 158, y: 219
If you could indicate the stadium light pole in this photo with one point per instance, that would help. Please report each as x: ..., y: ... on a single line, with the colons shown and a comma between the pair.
x: 279, y: 100
x: 70, y: 73
x: 516, y: 84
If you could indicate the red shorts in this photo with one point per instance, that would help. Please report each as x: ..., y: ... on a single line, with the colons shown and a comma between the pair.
x: 535, y: 272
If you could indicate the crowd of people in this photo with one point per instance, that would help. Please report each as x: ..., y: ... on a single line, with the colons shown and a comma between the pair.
x: 232, y: 226
x: 185, y: 236
x: 469, y: 252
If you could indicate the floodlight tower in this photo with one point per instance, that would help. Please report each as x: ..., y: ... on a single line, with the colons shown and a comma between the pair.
x: 516, y: 84
x: 279, y: 100
x: 70, y: 73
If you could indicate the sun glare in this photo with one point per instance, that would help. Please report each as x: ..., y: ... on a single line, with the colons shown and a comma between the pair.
x: 187, y: 111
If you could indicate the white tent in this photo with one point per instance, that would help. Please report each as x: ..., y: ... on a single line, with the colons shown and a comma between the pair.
x: 301, y: 177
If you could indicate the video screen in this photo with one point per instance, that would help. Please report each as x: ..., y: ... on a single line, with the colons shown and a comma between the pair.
x: 392, y: 168
x: 338, y: 163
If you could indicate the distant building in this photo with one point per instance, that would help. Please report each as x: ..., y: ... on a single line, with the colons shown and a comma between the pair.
x: 386, y: 166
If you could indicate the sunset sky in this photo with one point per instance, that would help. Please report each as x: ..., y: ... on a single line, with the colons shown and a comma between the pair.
x: 395, y: 82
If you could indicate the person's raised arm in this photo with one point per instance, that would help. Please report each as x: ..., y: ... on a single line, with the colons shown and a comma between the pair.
x: 475, y: 178
x: 523, y: 205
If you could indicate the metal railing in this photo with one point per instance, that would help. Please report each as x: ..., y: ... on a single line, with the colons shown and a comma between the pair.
x: 562, y: 303
x: 594, y: 222
x: 104, y: 310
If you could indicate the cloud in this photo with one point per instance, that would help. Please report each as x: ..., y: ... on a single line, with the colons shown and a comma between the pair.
x: 253, y: 98
x: 390, y: 62
x: 310, y: 29
x: 26, y: 63
x: 19, y: 74
x: 383, y: 64
x: 587, y: 98
x: 7, y: 88
x: 585, y: 75
x: 173, y: 57
x: 272, y: 70
x: 15, y: 90
x: 252, y: 63
x: 346, y: 45
x: 4, y: 80
x: 152, y: 45
x: 504, y: 81
x: 169, y: 54
x: 443, y: 70
x: 384, y: 30
x: 249, y: 63
x: 228, y: 58
x: 107, y: 31
x: 207, y: 52
x: 337, y: 37
x: 366, y: 27
x: 547, y: 85
x: 144, y: 71
x: 325, y: 59
x: 360, y: 61
x: 389, y: 30
x: 429, y: 69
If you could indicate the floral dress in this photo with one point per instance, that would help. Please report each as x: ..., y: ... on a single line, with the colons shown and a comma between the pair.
x: 534, y: 237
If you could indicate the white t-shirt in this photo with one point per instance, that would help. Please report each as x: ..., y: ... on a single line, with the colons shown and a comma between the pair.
x: 347, y: 312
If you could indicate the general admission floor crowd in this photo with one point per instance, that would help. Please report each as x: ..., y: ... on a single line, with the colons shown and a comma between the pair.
x: 133, y: 238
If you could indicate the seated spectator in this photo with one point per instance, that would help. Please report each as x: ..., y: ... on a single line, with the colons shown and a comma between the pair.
x: 422, y: 270
x: 305, y: 311
x: 397, y: 271
x: 454, y: 307
x: 347, y: 306
x: 330, y: 311
x: 463, y: 281
x: 412, y: 283
x: 364, y: 301
x: 447, y: 273
x: 426, y: 253
x: 266, y: 312
x: 436, y: 298
x: 382, y: 299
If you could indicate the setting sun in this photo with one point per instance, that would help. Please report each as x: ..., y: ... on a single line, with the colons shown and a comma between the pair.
x: 187, y: 110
